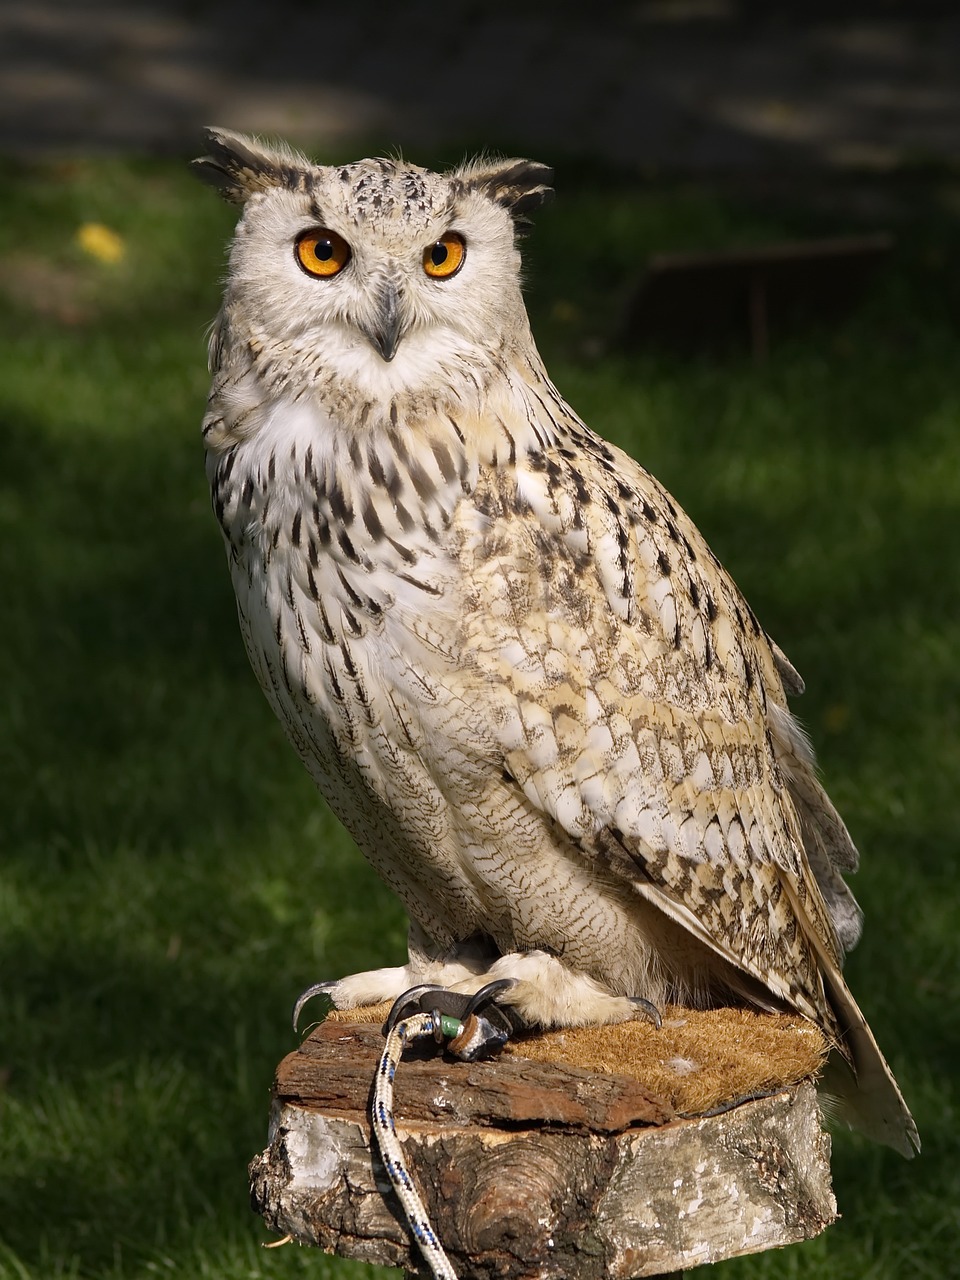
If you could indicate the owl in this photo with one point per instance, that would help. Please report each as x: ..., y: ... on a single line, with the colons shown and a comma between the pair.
x: 509, y: 660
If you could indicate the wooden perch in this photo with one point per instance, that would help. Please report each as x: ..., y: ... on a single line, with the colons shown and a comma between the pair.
x: 537, y: 1168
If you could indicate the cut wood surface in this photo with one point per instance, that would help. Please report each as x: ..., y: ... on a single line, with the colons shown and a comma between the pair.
x: 698, y: 1060
x: 532, y: 1168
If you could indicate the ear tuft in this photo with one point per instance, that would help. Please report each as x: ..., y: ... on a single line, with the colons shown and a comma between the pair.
x: 240, y: 166
x: 519, y: 186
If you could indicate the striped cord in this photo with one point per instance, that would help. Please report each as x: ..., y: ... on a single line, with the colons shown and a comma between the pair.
x: 413, y: 1028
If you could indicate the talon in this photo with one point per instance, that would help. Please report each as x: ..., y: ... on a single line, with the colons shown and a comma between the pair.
x: 412, y: 1001
x: 486, y: 995
x: 318, y: 988
x: 649, y: 1011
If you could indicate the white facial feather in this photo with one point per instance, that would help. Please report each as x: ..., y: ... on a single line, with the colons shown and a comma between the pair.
x: 322, y: 324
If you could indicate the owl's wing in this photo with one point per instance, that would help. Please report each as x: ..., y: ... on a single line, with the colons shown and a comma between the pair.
x: 638, y: 702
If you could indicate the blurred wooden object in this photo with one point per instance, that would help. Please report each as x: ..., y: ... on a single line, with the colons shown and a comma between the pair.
x: 532, y: 1168
x: 696, y: 300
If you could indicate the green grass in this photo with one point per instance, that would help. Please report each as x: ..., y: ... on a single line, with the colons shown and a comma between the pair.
x: 169, y: 881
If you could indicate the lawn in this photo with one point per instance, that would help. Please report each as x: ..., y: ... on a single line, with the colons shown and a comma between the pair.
x: 169, y: 881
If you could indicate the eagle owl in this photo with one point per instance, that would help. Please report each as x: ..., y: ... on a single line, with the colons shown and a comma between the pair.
x: 509, y: 660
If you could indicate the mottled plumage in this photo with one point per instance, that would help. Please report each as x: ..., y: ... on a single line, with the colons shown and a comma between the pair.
x: 511, y: 663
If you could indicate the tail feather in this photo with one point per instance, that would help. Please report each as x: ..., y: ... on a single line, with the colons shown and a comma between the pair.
x: 863, y: 1093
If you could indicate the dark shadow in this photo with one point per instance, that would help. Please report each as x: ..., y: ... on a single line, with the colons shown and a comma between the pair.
x: 727, y: 85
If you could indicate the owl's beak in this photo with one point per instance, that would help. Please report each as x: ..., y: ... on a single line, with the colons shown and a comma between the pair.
x: 387, y: 328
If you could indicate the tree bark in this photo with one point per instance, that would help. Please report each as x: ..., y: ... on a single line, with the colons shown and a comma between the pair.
x: 534, y: 1170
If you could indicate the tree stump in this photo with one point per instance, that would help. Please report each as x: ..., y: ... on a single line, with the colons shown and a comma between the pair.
x: 532, y: 1167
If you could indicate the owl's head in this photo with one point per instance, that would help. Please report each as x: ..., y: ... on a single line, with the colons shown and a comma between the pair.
x: 378, y: 272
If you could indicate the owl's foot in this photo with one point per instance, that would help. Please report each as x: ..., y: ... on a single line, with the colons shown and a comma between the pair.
x: 543, y: 991
x: 371, y: 987
x: 547, y: 993
x: 376, y: 985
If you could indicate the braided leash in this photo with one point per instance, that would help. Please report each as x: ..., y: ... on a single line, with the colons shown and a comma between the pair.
x: 419, y: 1025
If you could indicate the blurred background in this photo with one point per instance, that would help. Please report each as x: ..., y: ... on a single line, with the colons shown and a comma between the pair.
x: 688, y: 84
x: 749, y: 280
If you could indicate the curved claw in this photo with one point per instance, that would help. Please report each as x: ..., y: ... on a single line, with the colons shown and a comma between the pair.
x: 649, y: 1011
x: 412, y: 996
x: 485, y: 1026
x: 427, y: 998
x: 487, y: 995
x: 318, y: 988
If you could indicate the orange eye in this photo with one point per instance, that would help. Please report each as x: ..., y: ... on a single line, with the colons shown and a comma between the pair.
x: 445, y: 258
x: 322, y: 253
